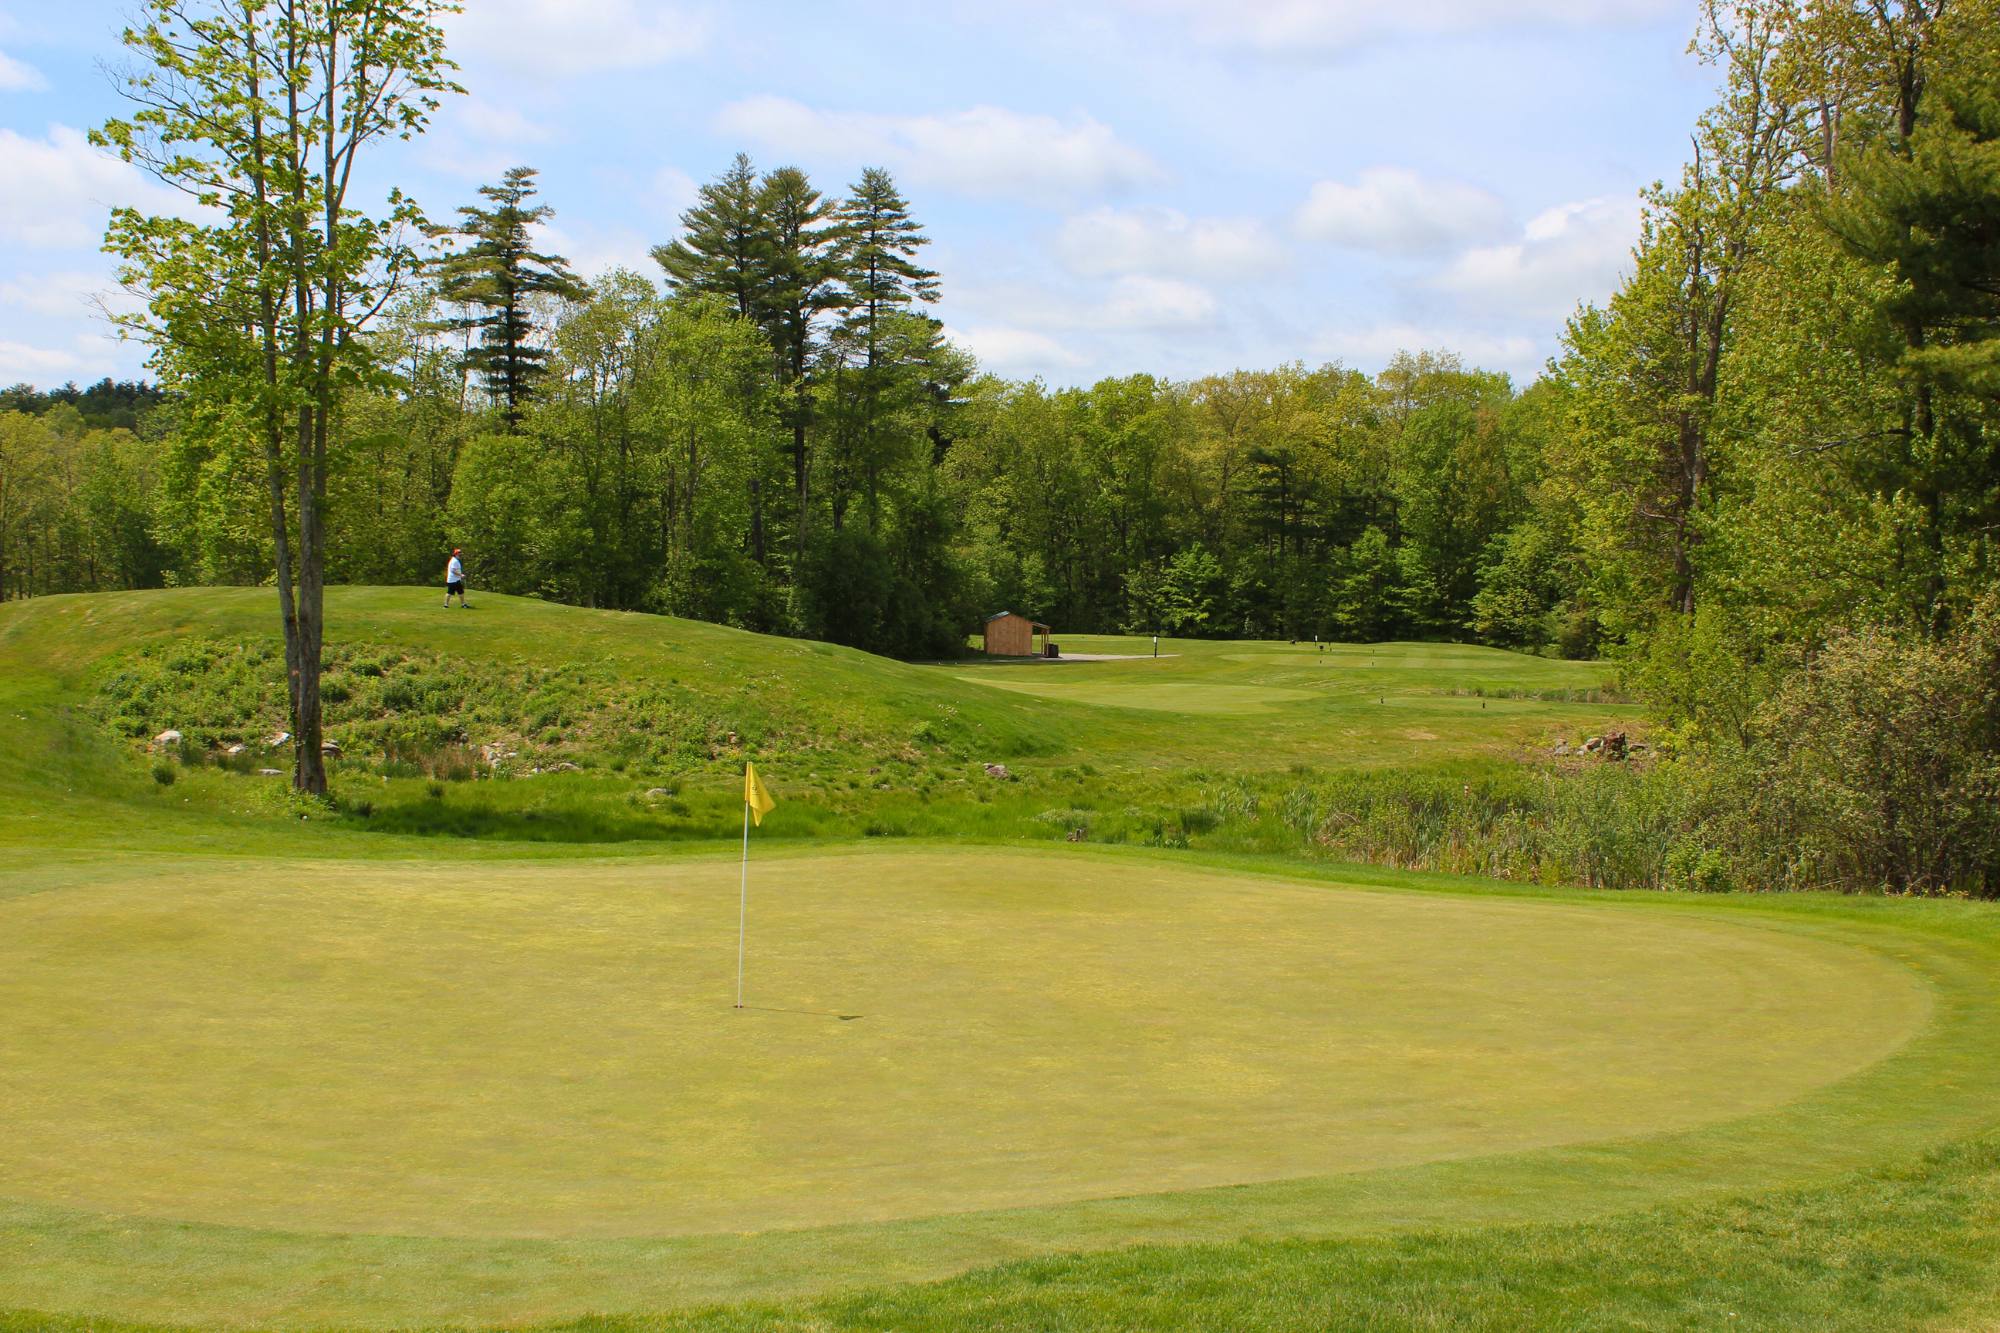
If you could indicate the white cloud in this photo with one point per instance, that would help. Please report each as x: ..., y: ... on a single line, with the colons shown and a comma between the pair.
x: 563, y: 38
x: 674, y: 192
x: 1132, y: 302
x: 1372, y: 347
x: 985, y: 150
x: 88, y: 358
x: 1395, y: 211
x: 60, y: 191
x: 17, y: 76
x: 593, y: 251
x: 491, y: 122
x: 1139, y: 301
x: 66, y: 293
x: 1319, y: 29
x: 1165, y: 241
x: 476, y: 140
x: 1575, y: 252
x: 1007, y: 350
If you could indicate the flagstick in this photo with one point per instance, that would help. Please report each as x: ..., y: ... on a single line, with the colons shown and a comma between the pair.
x: 743, y: 905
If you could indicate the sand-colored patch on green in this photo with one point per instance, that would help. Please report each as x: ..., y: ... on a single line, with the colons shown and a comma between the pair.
x: 550, y: 1051
x: 1153, y: 696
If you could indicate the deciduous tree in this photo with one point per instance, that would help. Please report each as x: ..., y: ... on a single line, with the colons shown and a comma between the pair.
x: 264, y: 113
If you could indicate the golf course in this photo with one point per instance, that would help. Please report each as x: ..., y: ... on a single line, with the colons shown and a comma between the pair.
x: 1134, y: 666
x: 1040, y: 1027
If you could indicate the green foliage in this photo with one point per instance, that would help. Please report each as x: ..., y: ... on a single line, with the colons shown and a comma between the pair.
x: 1879, y: 763
x: 1367, y: 598
x: 1529, y: 593
x: 212, y: 506
x: 1703, y: 675
x: 76, y: 506
x: 514, y: 513
x: 846, y: 586
x: 106, y: 405
x: 1920, y: 208
x: 1453, y: 495
x: 259, y: 302
x: 1179, y: 595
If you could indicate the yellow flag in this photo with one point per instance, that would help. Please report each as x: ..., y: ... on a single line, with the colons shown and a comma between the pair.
x: 755, y: 796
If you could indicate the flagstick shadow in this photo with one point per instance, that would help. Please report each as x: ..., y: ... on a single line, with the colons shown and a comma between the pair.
x: 803, y: 1013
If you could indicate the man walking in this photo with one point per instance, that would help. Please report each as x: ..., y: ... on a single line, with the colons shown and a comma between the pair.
x: 454, y: 580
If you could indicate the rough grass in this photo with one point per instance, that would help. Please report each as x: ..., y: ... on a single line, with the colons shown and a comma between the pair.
x: 397, y: 710
x: 1912, y: 1248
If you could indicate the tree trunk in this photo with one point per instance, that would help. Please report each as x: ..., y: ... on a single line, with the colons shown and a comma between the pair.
x: 309, y: 766
x: 801, y: 474
x: 308, y: 769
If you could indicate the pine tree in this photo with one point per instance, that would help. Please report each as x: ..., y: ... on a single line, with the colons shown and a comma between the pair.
x: 496, y: 278
x: 801, y: 285
x: 724, y: 246
x: 878, y: 254
x: 772, y: 248
x: 724, y: 250
x: 1925, y: 207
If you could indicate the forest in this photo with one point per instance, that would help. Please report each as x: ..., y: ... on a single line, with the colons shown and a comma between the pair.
x: 1776, y: 443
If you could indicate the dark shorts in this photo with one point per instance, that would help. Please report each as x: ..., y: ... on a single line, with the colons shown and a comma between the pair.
x: 458, y: 587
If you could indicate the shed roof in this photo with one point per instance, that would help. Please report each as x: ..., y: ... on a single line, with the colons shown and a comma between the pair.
x: 1005, y: 614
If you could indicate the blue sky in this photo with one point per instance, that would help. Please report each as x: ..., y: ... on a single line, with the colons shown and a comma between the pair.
x: 1176, y: 186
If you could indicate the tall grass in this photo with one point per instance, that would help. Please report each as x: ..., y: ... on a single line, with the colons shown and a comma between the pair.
x: 1611, y: 826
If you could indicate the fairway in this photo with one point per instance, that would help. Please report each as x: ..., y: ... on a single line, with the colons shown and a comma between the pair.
x: 1150, y: 695
x: 549, y: 1050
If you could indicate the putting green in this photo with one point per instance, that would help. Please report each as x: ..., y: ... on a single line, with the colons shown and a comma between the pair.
x: 550, y: 1051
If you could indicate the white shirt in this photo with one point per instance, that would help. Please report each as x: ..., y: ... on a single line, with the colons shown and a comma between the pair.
x: 454, y: 572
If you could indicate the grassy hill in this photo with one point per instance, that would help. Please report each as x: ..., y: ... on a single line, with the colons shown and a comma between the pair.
x: 527, y: 721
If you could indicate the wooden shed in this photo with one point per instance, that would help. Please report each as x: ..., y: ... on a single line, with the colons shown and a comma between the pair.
x: 1009, y: 635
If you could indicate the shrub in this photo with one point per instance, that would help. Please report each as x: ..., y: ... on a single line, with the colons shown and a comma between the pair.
x: 1879, y: 763
x: 1695, y: 868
